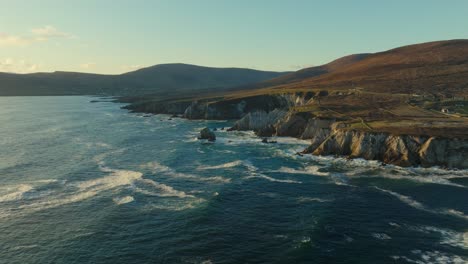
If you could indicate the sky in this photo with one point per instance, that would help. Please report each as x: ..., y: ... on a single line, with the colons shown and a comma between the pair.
x: 112, y: 37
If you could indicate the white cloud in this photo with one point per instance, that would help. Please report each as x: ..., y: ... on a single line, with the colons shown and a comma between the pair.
x: 47, y: 32
x: 87, y: 65
x: 132, y: 67
x: 10, y: 40
x: 18, y: 66
x: 37, y: 34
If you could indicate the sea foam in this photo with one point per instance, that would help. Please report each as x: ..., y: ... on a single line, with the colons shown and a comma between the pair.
x: 413, y: 203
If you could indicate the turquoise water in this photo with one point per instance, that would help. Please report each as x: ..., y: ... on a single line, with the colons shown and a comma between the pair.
x: 88, y: 182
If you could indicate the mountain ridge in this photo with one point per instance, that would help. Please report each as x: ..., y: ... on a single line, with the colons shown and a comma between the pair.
x: 157, y: 79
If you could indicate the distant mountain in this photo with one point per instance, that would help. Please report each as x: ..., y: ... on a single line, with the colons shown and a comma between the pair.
x: 160, y: 79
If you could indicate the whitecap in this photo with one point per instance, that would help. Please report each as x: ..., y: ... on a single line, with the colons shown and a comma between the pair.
x: 221, y: 166
x: 430, y: 257
x: 123, y: 200
x: 18, y: 193
x: 86, y: 190
x: 177, y: 205
x: 381, y: 236
x: 304, y: 199
x: 268, y: 178
x: 156, y: 167
x: 163, y: 190
x: 449, y: 237
x: 413, y: 203
x: 312, y: 170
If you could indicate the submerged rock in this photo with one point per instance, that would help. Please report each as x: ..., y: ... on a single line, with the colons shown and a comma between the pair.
x: 206, y: 133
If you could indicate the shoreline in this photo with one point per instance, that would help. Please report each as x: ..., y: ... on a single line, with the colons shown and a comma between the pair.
x: 327, y: 138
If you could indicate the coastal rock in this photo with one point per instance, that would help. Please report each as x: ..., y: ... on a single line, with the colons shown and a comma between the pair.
x: 206, y: 133
x: 259, y: 120
x: 317, y: 128
x: 267, y: 131
x: 401, y: 150
x: 451, y: 153
x: 292, y: 125
x: 195, y: 111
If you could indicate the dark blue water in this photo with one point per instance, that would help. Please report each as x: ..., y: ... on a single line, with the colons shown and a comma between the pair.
x: 88, y: 182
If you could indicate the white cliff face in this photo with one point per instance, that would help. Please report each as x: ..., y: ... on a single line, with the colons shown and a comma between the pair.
x: 452, y: 153
x: 259, y: 119
x: 401, y: 150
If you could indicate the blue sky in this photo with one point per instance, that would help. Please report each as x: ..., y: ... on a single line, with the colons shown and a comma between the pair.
x: 116, y: 36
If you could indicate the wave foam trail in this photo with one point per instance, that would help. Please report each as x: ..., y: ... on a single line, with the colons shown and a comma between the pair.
x: 156, y: 167
x: 304, y: 199
x: 413, y: 203
x: 268, y: 178
x: 87, y: 189
x: 449, y: 237
x: 221, y: 166
x: 312, y: 170
x: 18, y: 193
x: 430, y: 257
x: 79, y: 191
x: 163, y: 190
x: 123, y: 200
x: 381, y: 236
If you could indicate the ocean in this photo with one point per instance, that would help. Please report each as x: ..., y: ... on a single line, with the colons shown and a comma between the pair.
x: 84, y: 182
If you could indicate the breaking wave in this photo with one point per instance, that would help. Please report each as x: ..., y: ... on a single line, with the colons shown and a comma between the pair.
x: 221, y: 166
x: 311, y: 170
x: 413, y: 203
x: 156, y: 167
x: 268, y: 178
x: 17, y: 194
x: 123, y: 200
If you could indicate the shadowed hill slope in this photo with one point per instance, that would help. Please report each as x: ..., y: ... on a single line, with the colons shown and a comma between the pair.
x: 160, y: 79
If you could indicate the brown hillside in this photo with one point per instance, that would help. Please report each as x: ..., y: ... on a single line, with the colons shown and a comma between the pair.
x: 435, y: 67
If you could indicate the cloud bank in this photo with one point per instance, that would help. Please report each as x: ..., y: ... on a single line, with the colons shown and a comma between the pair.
x: 39, y: 34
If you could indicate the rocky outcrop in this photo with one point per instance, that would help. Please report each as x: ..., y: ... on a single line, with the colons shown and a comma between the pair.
x: 259, y: 120
x: 206, y: 133
x: 292, y: 125
x: 401, y: 150
x: 444, y: 152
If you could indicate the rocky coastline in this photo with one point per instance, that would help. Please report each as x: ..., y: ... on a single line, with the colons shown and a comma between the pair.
x: 275, y: 115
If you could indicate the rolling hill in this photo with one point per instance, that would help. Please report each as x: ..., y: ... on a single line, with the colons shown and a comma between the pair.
x: 434, y: 67
x: 161, y: 79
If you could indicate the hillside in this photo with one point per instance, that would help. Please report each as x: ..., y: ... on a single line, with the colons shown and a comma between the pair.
x: 164, y: 79
x: 434, y: 67
x: 399, y: 91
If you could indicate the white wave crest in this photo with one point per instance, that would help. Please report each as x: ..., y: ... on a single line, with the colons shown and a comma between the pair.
x: 268, y: 178
x: 312, y: 170
x: 304, y: 199
x: 163, y: 190
x: 449, y: 237
x: 79, y: 191
x: 123, y: 200
x: 156, y: 167
x: 381, y: 236
x: 17, y: 194
x: 221, y: 166
x: 413, y: 203
x: 430, y: 257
